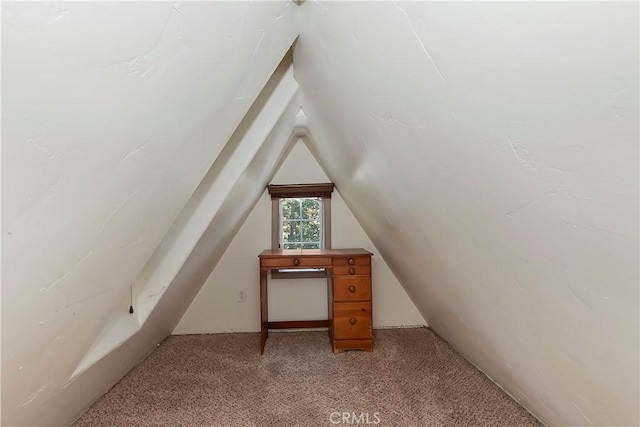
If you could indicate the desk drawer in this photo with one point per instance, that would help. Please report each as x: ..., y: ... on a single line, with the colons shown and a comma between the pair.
x: 352, y: 260
x: 356, y: 288
x: 348, y: 270
x: 352, y: 320
x: 295, y: 262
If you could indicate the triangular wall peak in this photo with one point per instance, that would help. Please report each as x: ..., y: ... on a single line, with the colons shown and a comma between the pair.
x: 216, y: 307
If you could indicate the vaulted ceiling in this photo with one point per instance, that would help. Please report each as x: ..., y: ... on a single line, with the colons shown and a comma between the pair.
x: 489, y: 150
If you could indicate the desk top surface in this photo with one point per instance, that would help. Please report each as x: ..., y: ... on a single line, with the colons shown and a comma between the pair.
x: 279, y: 253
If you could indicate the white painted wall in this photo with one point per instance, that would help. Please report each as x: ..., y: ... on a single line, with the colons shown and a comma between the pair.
x: 490, y: 151
x: 215, y: 309
x: 112, y: 114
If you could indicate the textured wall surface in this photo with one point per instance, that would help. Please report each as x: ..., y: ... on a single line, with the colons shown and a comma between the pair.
x: 490, y: 151
x: 112, y: 115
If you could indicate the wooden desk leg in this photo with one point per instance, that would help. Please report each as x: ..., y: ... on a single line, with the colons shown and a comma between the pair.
x: 264, y: 310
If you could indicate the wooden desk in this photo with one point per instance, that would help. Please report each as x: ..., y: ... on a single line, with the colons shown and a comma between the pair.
x: 349, y: 290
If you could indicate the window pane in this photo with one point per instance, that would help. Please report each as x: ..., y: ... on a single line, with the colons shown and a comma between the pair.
x: 310, y: 231
x: 301, y: 223
x: 310, y: 208
x: 290, y: 231
x: 290, y: 208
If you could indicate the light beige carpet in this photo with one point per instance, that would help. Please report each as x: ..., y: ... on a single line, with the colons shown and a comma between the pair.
x: 412, y: 378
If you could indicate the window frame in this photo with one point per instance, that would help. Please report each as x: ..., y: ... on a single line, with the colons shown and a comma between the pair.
x: 292, y: 191
x: 300, y: 221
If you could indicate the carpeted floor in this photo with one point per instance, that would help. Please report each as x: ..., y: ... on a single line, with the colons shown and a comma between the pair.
x: 412, y: 378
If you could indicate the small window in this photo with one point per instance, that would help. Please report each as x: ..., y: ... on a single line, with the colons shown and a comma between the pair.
x: 301, y: 223
x: 301, y: 220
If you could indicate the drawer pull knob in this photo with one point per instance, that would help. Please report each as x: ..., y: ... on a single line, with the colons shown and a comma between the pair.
x: 296, y: 261
x: 352, y: 270
x: 353, y: 321
x: 351, y: 261
x: 352, y: 289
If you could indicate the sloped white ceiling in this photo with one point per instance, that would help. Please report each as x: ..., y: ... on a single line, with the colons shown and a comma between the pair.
x: 112, y: 115
x: 490, y: 151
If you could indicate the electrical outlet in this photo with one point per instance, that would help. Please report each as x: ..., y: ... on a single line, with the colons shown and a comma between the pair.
x: 242, y: 295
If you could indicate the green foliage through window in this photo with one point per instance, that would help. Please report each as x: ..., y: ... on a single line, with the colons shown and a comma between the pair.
x: 301, y: 223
